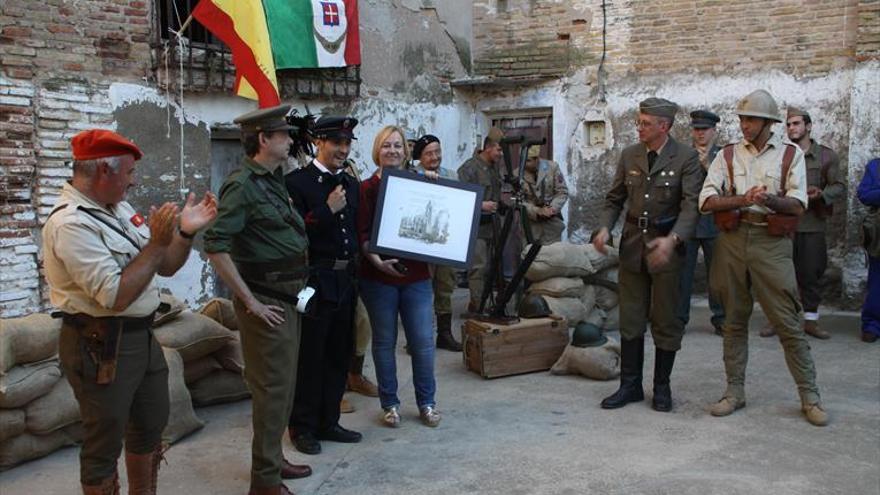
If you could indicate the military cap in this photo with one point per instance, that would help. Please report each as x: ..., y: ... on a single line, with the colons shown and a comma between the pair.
x: 658, y: 107
x: 422, y: 143
x: 704, y: 119
x: 495, y: 135
x: 101, y: 143
x: 534, y: 152
x: 797, y: 112
x: 265, y: 119
x: 334, y: 127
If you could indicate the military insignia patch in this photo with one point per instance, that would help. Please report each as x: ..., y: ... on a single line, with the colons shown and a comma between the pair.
x: 137, y: 220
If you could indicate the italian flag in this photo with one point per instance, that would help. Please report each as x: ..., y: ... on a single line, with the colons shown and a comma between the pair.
x: 265, y: 35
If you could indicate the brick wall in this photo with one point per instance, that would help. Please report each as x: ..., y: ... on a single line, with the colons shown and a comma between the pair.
x: 868, y: 34
x: 521, y: 38
x: 57, y: 63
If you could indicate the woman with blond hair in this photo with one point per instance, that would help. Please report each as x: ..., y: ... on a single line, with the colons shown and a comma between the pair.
x: 395, y: 287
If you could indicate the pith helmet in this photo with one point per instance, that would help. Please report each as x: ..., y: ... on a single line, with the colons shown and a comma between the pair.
x: 587, y: 335
x: 759, y: 103
x: 533, y: 306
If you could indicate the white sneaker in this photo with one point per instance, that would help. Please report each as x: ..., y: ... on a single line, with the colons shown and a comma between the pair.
x: 391, y: 417
x: 429, y: 416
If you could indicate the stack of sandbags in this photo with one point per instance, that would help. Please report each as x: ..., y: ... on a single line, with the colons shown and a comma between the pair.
x: 38, y: 413
x: 605, y: 313
x: 217, y: 377
x: 564, y: 275
x: 599, y: 363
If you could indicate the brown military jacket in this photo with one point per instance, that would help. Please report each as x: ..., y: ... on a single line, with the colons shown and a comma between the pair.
x: 813, y: 219
x: 546, y: 187
x: 477, y: 171
x: 665, y: 198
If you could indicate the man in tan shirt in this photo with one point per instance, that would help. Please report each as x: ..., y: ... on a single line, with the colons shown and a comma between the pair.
x: 750, y: 259
x: 101, y: 258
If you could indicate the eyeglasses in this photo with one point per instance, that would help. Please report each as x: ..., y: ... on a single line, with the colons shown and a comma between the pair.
x: 643, y: 123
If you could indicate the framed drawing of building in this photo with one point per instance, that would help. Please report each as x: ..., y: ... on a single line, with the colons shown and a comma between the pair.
x: 434, y: 221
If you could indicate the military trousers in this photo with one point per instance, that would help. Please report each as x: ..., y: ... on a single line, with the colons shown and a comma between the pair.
x: 687, y: 282
x: 134, y: 407
x: 750, y: 264
x: 444, y: 285
x: 650, y: 297
x: 810, y: 260
x: 477, y: 270
x: 325, y: 352
x: 271, y: 355
x: 547, y: 231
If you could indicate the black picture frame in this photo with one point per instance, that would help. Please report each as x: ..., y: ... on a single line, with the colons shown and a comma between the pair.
x: 419, y: 236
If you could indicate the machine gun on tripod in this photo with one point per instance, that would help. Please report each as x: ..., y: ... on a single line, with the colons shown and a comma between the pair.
x: 498, y: 312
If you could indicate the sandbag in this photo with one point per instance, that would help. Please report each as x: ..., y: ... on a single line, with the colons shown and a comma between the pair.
x: 601, y: 261
x: 599, y: 363
x: 596, y: 317
x: 170, y: 308
x: 221, y: 311
x: 28, y: 339
x: 182, y: 419
x: 606, y: 298
x: 612, y: 319
x: 230, y: 356
x: 193, y: 335
x: 560, y: 259
x: 606, y: 286
x: 199, y: 368
x: 219, y: 387
x: 588, y: 298
x: 12, y: 423
x: 558, y: 287
x: 569, y: 308
x: 54, y: 410
x: 25, y: 383
x: 26, y: 446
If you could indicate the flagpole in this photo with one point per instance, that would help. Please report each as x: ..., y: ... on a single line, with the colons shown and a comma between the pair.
x: 183, y: 26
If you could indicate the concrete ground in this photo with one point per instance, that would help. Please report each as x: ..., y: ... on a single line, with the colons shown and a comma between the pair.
x: 543, y: 434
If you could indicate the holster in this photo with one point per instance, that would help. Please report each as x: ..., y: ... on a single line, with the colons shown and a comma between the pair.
x: 820, y: 208
x: 727, y: 220
x: 779, y: 224
x: 102, y: 337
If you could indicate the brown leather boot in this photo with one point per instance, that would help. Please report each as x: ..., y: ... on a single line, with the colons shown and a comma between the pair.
x: 445, y: 339
x: 357, y: 382
x: 270, y: 490
x: 143, y: 471
x: 109, y: 486
x: 811, y: 327
x: 345, y: 407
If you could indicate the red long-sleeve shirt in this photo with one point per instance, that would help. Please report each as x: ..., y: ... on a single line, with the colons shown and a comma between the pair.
x: 416, y: 270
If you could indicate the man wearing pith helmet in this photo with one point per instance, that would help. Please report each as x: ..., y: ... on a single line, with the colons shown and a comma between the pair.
x: 761, y: 182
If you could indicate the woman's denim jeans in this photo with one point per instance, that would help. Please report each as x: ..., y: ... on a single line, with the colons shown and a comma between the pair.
x: 413, y: 302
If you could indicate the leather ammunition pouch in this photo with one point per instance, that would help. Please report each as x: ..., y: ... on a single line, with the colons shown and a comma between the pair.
x: 102, y: 337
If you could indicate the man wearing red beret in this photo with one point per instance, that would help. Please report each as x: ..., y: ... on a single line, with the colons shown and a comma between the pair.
x: 101, y: 257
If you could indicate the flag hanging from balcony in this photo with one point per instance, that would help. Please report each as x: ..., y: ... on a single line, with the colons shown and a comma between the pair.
x: 241, y: 24
x: 265, y: 35
x: 314, y: 33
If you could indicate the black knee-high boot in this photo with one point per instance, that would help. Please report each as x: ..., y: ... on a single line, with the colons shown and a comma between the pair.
x: 663, y: 361
x: 632, y: 358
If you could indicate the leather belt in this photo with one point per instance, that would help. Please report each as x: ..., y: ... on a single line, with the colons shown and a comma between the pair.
x: 640, y: 222
x: 78, y: 320
x: 331, y: 264
x: 286, y: 270
x: 753, y: 217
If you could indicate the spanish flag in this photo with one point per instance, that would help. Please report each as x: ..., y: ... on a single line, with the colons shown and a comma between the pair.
x: 241, y: 24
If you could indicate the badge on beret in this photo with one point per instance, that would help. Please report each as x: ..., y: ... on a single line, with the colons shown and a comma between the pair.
x: 137, y: 220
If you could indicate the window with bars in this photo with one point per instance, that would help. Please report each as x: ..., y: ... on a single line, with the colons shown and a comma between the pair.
x: 206, y: 63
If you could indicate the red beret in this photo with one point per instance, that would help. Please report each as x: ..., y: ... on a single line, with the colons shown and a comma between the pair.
x: 101, y: 143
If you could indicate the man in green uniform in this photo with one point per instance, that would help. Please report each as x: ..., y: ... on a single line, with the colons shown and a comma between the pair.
x: 545, y: 195
x: 482, y: 169
x: 747, y: 178
x: 823, y: 188
x: 258, y: 247
x: 658, y: 180
x: 429, y: 154
x: 101, y: 259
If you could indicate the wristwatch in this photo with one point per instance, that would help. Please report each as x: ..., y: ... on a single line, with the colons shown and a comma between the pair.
x: 184, y: 234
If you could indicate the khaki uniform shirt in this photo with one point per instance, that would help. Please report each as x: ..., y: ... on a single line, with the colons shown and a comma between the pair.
x: 477, y: 171
x: 252, y: 227
x: 84, y: 257
x: 832, y: 188
x: 753, y: 167
x: 545, y: 187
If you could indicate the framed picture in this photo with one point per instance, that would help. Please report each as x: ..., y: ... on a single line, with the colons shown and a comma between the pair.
x: 434, y: 221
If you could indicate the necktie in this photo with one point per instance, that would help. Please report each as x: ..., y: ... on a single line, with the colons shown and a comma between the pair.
x: 652, y: 157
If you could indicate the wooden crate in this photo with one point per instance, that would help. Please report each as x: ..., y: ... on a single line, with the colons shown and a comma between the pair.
x: 494, y: 350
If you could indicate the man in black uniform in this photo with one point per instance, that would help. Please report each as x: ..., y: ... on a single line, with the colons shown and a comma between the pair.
x: 327, y: 198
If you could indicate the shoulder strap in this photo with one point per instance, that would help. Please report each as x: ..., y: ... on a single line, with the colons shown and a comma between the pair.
x: 56, y: 210
x: 285, y: 213
x: 787, y: 158
x: 114, y: 228
x: 728, y: 158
